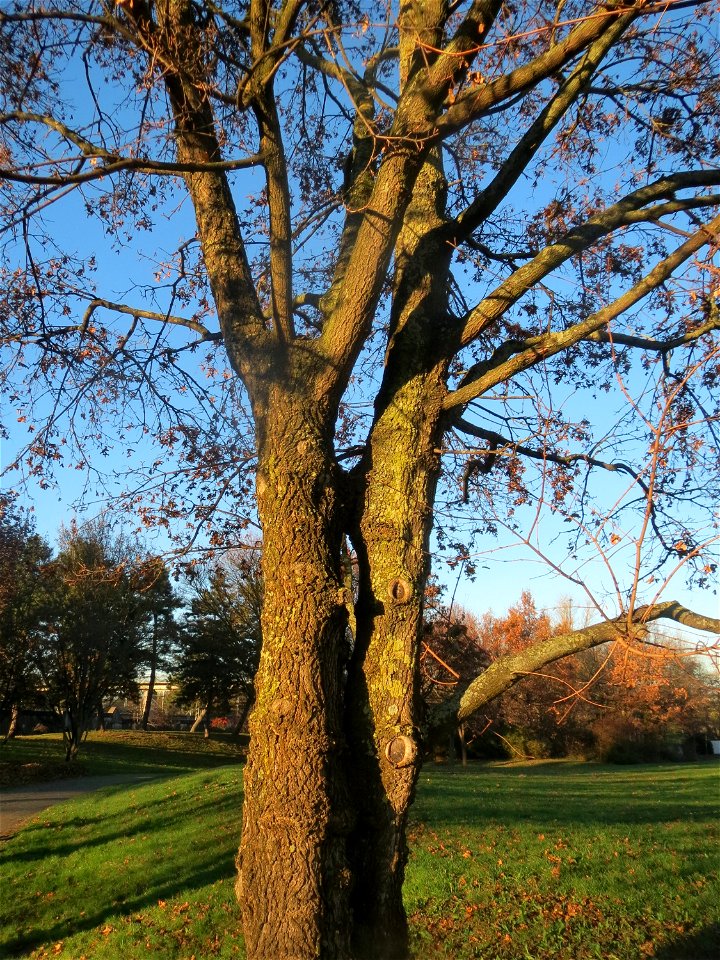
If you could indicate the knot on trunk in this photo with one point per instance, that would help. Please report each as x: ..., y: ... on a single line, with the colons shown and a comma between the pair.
x: 399, y: 590
x: 401, y: 751
x: 280, y: 710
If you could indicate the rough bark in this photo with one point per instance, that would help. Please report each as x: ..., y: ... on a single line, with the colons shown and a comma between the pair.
x: 399, y: 477
x: 335, y: 744
x: 293, y: 882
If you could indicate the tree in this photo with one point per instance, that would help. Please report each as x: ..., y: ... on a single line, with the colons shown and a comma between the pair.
x: 23, y: 555
x: 221, y: 642
x: 93, y: 628
x: 613, y: 701
x: 656, y: 701
x: 459, y: 212
x: 161, y: 603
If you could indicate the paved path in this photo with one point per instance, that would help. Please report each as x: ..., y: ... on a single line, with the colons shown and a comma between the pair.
x: 21, y: 803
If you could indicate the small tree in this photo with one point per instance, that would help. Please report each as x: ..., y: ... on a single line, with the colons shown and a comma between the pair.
x: 23, y: 555
x: 220, y: 643
x: 161, y: 602
x: 93, y: 627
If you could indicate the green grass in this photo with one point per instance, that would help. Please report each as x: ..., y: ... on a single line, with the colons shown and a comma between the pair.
x: 508, y: 862
x: 27, y: 759
x: 570, y: 861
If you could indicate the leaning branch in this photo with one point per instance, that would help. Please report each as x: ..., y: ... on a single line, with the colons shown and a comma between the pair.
x: 538, y: 132
x: 639, y: 206
x: 506, y: 671
x: 653, y: 345
x: 473, y: 104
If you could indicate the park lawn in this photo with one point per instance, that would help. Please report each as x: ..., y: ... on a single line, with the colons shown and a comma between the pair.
x: 539, y: 861
x: 35, y: 758
x: 566, y: 860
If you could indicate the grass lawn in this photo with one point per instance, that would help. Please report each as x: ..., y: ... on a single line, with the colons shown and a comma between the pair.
x: 524, y: 862
x: 34, y: 758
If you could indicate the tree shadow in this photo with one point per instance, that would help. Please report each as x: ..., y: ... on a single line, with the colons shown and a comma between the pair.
x: 127, y: 885
x: 702, y: 945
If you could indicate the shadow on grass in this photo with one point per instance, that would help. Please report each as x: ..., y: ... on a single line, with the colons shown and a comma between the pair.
x: 703, y: 945
x: 43, y: 838
x: 67, y: 927
x: 561, y: 793
x: 137, y: 755
x: 166, y: 851
x: 134, y: 751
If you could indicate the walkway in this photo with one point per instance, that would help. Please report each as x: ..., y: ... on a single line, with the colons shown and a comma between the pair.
x: 19, y: 804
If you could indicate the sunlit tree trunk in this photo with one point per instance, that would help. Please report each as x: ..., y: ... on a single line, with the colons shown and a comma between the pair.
x: 384, y: 706
x: 14, y: 720
x: 293, y: 882
x: 203, y: 720
x: 151, y: 682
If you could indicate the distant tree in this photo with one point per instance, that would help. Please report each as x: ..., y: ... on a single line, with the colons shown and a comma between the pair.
x: 23, y: 555
x: 221, y: 640
x: 161, y: 602
x: 653, y: 700
x: 94, y: 626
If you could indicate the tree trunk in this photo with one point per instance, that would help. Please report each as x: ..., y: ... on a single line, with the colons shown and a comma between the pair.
x: 240, y: 723
x: 293, y: 881
x: 151, y: 682
x: 392, y: 541
x: 14, y: 720
x: 72, y: 734
x: 463, y: 744
x: 393, y: 548
x: 202, y: 720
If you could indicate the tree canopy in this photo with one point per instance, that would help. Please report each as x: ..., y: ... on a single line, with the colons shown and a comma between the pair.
x: 424, y: 260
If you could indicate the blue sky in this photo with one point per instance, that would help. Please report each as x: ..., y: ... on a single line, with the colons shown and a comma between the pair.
x: 504, y: 566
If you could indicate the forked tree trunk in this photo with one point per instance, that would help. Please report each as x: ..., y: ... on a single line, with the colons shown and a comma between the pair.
x: 203, y: 720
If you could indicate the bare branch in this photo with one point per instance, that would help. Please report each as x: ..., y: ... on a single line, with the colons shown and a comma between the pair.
x: 513, y: 358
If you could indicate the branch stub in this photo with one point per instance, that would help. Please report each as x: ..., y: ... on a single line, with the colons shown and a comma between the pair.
x: 401, y: 751
x: 399, y: 590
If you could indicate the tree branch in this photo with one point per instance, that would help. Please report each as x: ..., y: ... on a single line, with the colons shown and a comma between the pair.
x: 513, y: 358
x: 506, y: 671
x: 651, y: 344
x: 134, y: 312
x: 510, y: 172
x: 473, y: 104
x: 625, y: 211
